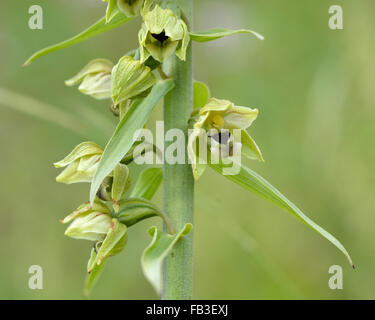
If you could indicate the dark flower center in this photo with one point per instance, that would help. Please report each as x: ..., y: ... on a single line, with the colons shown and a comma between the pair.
x: 222, y: 137
x: 160, y: 37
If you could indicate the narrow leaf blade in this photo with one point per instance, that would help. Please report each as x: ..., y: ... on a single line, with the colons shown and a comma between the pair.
x: 213, y: 34
x: 44, y: 111
x: 134, y: 210
x: 147, y: 183
x: 154, y: 255
x: 252, y: 181
x: 92, y: 277
x: 117, y: 19
x: 122, y: 139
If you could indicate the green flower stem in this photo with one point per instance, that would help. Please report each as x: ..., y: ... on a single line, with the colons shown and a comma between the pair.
x: 178, y: 179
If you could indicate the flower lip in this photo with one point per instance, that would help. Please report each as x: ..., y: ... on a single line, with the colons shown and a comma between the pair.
x: 161, y: 37
x: 222, y: 137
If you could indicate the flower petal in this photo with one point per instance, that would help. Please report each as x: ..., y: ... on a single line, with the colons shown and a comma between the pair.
x: 93, y: 67
x: 83, y: 149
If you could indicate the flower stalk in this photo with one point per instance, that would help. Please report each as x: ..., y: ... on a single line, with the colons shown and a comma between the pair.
x: 178, y: 178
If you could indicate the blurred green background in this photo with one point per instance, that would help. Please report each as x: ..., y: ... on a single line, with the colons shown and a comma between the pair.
x: 314, y: 88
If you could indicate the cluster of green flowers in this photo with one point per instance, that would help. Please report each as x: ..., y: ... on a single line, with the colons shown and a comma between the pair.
x: 164, y: 32
x: 134, y: 85
x: 105, y: 221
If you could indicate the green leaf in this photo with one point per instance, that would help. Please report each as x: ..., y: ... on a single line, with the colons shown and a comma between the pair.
x: 120, y: 182
x: 134, y: 210
x: 116, y: 233
x: 122, y: 139
x: 44, y: 111
x: 93, y: 276
x: 148, y: 183
x: 213, y: 34
x: 201, y: 94
x: 153, y: 256
x: 252, y: 181
x: 113, y: 244
x: 117, y: 19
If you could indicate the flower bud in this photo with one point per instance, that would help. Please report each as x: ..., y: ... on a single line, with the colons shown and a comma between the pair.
x: 113, y: 243
x: 96, y: 223
x: 95, y: 79
x: 162, y: 34
x: 120, y: 184
x: 130, y: 79
x: 84, y: 208
x: 80, y: 164
x: 90, y: 225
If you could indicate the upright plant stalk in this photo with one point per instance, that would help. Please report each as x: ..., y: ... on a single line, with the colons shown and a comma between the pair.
x: 178, y: 178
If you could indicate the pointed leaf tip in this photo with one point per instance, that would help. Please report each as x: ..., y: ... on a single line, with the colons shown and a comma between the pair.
x: 218, y: 33
x: 252, y: 181
x: 117, y: 19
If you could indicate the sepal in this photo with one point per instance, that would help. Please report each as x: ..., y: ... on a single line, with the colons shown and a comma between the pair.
x: 95, y: 79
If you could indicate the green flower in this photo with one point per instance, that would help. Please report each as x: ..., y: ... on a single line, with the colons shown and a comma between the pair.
x: 95, y: 223
x: 162, y: 34
x: 217, y: 120
x: 94, y: 79
x: 130, y: 79
x: 89, y: 224
x: 80, y: 164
